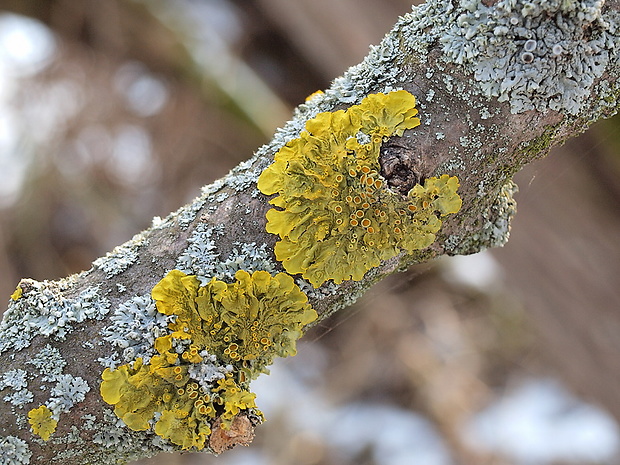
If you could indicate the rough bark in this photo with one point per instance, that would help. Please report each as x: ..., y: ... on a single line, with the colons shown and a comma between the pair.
x: 491, y: 100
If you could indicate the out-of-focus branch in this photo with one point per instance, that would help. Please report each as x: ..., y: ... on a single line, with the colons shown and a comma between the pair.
x: 153, y: 34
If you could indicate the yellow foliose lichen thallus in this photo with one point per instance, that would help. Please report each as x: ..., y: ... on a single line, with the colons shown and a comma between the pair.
x: 335, y: 215
x: 243, y: 325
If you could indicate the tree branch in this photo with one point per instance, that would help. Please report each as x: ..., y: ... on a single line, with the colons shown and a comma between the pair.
x: 497, y: 85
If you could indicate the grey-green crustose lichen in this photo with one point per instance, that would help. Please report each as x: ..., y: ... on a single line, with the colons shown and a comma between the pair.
x: 41, y: 309
x: 534, y: 54
x: 14, y: 451
x: 494, y: 229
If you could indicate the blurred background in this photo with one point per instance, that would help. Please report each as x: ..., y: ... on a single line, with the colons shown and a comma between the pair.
x: 117, y: 111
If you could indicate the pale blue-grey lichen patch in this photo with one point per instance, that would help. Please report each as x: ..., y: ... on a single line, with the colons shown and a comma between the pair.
x: 535, y: 54
x: 43, y: 310
x: 159, y: 223
x: 111, y: 435
x: 133, y: 328
x: 201, y: 254
x: 110, y: 361
x: 66, y: 392
x: 107, y: 436
x: 495, y: 226
x: 19, y: 398
x: 208, y: 371
x: 121, y: 443
x: 203, y: 258
x: 121, y: 257
x: 14, y: 379
x: 187, y: 214
x: 49, y: 363
x: 16, y: 384
x: 451, y: 243
x: 14, y: 451
x: 245, y: 256
x: 243, y: 177
x: 328, y: 289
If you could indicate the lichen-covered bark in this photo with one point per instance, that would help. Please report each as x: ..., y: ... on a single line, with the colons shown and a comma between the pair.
x: 497, y: 84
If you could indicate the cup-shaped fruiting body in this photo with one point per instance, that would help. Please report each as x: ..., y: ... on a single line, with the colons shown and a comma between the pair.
x: 335, y: 216
x: 530, y: 45
x: 41, y: 422
x: 243, y: 325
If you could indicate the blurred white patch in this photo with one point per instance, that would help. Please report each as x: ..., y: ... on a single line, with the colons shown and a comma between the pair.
x: 26, y: 45
x: 144, y: 93
x: 217, y: 17
x: 394, y: 436
x: 480, y: 271
x: 238, y: 456
x: 131, y: 161
x: 11, y: 171
x: 540, y: 423
x: 47, y: 113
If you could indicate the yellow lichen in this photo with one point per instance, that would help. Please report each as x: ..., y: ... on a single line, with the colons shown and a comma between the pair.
x: 314, y: 94
x: 250, y: 321
x: 233, y: 399
x: 138, y: 391
x: 335, y: 216
x: 246, y: 324
x: 18, y: 293
x: 41, y: 422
